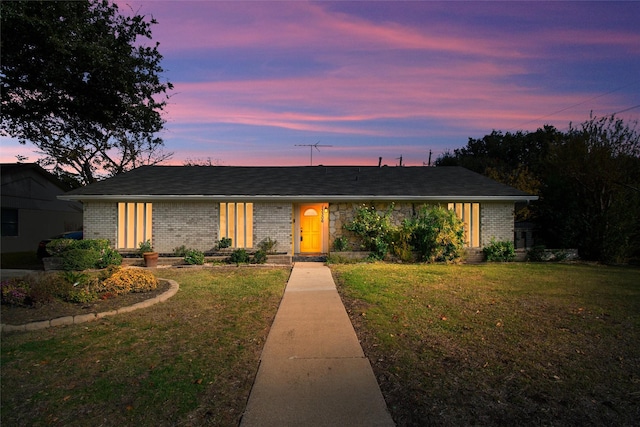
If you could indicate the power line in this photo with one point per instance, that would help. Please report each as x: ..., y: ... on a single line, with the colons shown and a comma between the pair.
x: 581, y: 103
x: 627, y: 109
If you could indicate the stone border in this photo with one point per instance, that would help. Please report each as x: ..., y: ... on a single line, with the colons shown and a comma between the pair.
x: 89, y: 317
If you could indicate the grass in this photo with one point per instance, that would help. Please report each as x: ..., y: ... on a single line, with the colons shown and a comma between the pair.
x: 500, y: 344
x: 189, y: 361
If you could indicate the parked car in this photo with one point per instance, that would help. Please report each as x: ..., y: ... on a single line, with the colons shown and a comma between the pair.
x: 42, y: 246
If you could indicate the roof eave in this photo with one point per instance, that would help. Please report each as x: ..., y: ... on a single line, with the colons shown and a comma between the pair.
x: 296, y: 198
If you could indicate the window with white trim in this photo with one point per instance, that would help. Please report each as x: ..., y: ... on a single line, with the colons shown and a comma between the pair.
x: 135, y: 221
x: 469, y: 213
x: 236, y: 223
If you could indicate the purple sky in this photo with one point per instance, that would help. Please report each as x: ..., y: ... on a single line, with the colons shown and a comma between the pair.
x: 382, y: 79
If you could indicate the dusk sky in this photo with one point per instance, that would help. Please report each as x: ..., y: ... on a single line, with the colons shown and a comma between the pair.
x: 381, y: 79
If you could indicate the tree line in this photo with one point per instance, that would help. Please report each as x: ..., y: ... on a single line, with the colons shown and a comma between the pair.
x: 587, y: 180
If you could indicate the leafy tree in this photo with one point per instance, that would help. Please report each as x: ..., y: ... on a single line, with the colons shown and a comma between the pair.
x: 593, y: 189
x: 516, y: 159
x: 78, y: 85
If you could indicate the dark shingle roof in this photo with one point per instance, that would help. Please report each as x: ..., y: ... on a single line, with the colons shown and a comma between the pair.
x: 298, y: 183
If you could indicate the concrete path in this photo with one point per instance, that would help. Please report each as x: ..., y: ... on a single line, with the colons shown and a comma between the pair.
x: 313, y: 371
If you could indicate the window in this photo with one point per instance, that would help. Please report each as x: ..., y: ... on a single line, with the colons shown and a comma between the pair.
x: 134, y: 224
x: 9, y: 222
x: 236, y: 223
x: 469, y: 213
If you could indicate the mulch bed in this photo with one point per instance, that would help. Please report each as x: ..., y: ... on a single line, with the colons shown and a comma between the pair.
x: 19, y: 315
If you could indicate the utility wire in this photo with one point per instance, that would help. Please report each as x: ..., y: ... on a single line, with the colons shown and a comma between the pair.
x: 581, y: 103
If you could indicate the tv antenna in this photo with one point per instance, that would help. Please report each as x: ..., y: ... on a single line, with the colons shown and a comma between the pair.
x: 311, y: 147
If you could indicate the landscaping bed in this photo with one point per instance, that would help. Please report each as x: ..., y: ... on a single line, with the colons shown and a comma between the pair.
x: 13, y: 315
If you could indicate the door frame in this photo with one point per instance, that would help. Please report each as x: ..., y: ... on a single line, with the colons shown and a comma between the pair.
x: 323, y: 211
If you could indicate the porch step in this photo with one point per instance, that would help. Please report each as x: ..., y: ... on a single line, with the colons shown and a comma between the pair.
x: 310, y: 258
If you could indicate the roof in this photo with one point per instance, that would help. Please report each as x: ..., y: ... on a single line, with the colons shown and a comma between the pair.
x: 8, y: 169
x: 299, y: 183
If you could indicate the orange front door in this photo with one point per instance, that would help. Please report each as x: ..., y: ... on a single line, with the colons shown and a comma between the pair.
x: 311, y: 228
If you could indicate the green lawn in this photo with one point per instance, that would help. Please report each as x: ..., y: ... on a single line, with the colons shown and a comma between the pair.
x: 500, y: 344
x: 188, y: 361
x: 490, y: 344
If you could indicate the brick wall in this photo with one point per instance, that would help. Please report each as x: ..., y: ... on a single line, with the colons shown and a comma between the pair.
x: 497, y: 222
x: 189, y: 223
x: 100, y: 221
x: 273, y: 220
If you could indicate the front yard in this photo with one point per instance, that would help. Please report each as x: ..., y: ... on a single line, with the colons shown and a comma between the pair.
x: 489, y: 344
x: 500, y: 344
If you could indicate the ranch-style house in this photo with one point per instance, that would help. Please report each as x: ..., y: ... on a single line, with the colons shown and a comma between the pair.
x: 302, y: 208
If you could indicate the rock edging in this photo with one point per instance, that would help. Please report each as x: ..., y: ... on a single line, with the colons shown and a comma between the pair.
x: 89, y: 317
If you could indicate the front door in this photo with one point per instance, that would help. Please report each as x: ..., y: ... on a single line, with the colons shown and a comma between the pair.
x: 311, y: 228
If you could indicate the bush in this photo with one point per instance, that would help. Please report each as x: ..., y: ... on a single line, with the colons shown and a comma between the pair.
x: 239, y: 256
x: 225, y: 242
x: 499, y: 251
x: 260, y: 257
x: 268, y: 245
x: 125, y: 280
x: 180, y: 251
x: 373, y: 228
x: 537, y: 254
x: 194, y: 257
x: 80, y: 259
x: 84, y: 254
x: 437, y: 234
x: 341, y: 244
x: 15, y: 292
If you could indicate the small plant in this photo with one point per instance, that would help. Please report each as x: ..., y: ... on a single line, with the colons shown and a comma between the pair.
x: 341, y: 244
x: 180, y: 251
x: 225, y: 242
x: 14, y: 292
x: 499, y: 251
x: 239, y: 256
x: 436, y: 234
x: 260, y: 257
x: 373, y: 228
x: 145, y: 247
x: 125, y: 280
x: 268, y: 245
x: 194, y: 257
x: 537, y: 254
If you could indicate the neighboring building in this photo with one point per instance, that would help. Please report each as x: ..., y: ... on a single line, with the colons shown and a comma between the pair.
x: 302, y: 208
x: 31, y: 210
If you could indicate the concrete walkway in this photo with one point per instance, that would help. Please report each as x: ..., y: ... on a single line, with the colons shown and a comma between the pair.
x: 313, y: 371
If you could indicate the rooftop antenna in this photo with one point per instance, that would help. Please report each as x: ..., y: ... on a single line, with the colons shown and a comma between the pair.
x: 400, y: 158
x: 427, y: 164
x: 311, y: 147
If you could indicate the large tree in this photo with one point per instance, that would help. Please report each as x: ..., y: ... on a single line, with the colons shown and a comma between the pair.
x: 80, y: 86
x: 588, y: 180
x: 592, y: 189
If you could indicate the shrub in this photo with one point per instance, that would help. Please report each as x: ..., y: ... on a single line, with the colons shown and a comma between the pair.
x: 84, y: 254
x: 225, y: 242
x: 437, y: 234
x: 239, y: 256
x: 341, y: 243
x: 537, y: 254
x: 499, y: 251
x: 260, y: 257
x: 80, y: 259
x: 401, y: 244
x: 125, y: 280
x: 180, y: 251
x: 373, y: 228
x: 14, y: 292
x: 268, y: 245
x: 194, y: 257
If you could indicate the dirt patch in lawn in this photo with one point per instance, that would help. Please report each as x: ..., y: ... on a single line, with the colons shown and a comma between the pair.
x: 12, y: 315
